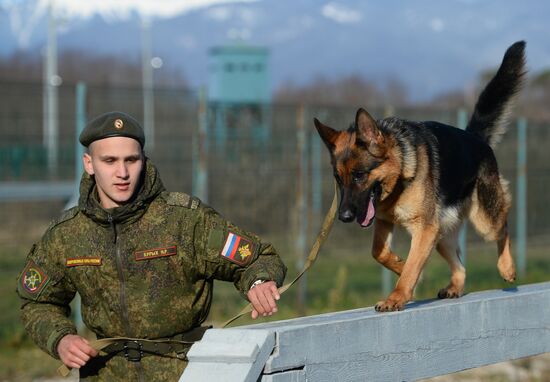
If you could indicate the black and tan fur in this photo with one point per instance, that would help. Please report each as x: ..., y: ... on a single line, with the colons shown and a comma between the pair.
x: 428, y: 177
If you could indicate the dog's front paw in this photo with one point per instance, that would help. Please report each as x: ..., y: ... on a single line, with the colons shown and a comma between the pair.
x: 450, y: 292
x: 393, y: 303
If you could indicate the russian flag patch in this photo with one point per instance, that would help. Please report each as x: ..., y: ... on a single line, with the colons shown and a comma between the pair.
x: 237, y: 249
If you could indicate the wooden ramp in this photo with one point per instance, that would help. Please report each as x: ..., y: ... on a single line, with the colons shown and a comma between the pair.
x: 427, y: 339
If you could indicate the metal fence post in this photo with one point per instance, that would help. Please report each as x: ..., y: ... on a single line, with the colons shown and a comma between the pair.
x: 147, y: 83
x: 521, y: 197
x: 78, y: 170
x: 200, y: 151
x: 51, y: 108
x: 80, y: 122
x: 387, y: 277
x: 462, y: 123
x: 316, y: 174
x: 301, y: 205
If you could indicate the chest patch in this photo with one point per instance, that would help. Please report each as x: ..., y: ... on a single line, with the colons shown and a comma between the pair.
x: 33, y: 279
x: 78, y: 261
x: 237, y: 249
x: 157, y: 252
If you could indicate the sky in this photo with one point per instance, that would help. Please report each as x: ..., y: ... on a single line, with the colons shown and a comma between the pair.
x: 118, y: 8
x: 430, y: 45
x: 26, y: 13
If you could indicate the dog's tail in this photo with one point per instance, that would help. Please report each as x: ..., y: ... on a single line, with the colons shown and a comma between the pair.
x: 494, y: 104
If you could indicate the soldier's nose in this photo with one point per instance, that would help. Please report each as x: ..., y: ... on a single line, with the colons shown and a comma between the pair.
x: 122, y: 172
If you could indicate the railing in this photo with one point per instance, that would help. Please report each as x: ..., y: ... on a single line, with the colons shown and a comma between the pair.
x: 427, y: 339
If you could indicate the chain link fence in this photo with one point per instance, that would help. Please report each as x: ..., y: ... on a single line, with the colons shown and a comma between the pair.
x: 252, y: 160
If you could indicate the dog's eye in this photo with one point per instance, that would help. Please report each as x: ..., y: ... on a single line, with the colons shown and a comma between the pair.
x: 358, y: 176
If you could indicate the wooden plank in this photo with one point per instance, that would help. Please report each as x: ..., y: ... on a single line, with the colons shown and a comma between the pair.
x: 231, y: 355
x: 429, y: 338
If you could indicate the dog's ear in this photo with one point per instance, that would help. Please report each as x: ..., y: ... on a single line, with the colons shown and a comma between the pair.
x: 368, y: 134
x: 328, y: 134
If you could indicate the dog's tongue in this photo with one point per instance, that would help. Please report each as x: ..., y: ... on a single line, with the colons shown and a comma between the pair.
x: 369, y: 216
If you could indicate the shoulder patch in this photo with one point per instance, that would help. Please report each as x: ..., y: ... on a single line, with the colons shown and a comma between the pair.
x: 65, y: 215
x: 238, y: 249
x: 181, y: 199
x: 33, y: 279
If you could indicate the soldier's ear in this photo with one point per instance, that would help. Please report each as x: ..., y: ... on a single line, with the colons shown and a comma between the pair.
x: 87, y: 162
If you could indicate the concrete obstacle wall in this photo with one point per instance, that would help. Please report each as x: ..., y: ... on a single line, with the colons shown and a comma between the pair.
x: 427, y: 339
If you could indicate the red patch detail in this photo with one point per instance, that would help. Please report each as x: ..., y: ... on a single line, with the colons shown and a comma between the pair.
x: 33, y: 278
x: 157, y: 252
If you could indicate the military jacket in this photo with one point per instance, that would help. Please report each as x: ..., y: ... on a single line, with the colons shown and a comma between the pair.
x: 143, y: 270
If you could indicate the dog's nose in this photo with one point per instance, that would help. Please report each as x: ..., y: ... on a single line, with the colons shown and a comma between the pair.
x: 346, y: 216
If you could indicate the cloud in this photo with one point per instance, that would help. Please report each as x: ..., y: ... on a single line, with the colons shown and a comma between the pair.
x: 23, y: 18
x: 341, y: 14
x: 219, y: 13
x: 120, y: 9
x: 294, y: 28
x: 188, y: 42
x: 24, y: 15
x: 225, y: 13
x: 437, y: 24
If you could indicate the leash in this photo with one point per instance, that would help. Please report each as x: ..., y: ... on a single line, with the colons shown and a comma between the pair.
x: 101, y: 344
x: 313, y: 253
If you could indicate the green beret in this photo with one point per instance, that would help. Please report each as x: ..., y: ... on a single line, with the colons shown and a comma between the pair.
x: 112, y: 124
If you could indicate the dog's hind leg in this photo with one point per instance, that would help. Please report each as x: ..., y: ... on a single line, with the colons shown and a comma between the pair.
x: 505, y: 263
x: 381, y: 247
x: 449, y: 249
x: 490, y: 204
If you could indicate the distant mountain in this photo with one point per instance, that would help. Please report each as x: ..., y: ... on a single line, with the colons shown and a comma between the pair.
x: 431, y: 46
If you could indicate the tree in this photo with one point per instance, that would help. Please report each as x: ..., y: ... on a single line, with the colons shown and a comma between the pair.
x: 75, y: 65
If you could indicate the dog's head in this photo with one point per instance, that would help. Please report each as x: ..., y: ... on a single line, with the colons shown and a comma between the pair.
x: 364, y: 166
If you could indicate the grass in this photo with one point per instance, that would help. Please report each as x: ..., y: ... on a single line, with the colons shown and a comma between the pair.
x: 20, y: 359
x: 344, y: 277
x: 11, y: 262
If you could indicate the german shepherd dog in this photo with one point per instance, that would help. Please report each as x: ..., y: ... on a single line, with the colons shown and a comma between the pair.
x: 428, y: 177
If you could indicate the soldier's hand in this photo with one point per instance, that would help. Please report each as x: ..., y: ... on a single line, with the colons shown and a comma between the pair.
x: 263, y: 297
x: 75, y: 351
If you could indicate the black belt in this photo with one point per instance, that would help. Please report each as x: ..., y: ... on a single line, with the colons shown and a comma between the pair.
x: 134, y: 350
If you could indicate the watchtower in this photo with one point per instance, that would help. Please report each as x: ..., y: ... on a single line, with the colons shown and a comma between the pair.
x: 239, y: 92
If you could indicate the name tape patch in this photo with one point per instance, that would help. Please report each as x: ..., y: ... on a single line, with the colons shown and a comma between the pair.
x: 79, y: 261
x: 157, y: 252
x: 237, y: 249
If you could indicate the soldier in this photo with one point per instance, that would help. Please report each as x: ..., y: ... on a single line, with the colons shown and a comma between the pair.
x: 143, y: 261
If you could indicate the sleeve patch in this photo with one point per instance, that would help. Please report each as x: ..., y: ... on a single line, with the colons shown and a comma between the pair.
x: 33, y: 279
x: 238, y: 249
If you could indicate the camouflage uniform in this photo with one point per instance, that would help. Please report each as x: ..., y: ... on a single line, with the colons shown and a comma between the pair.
x: 143, y: 270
